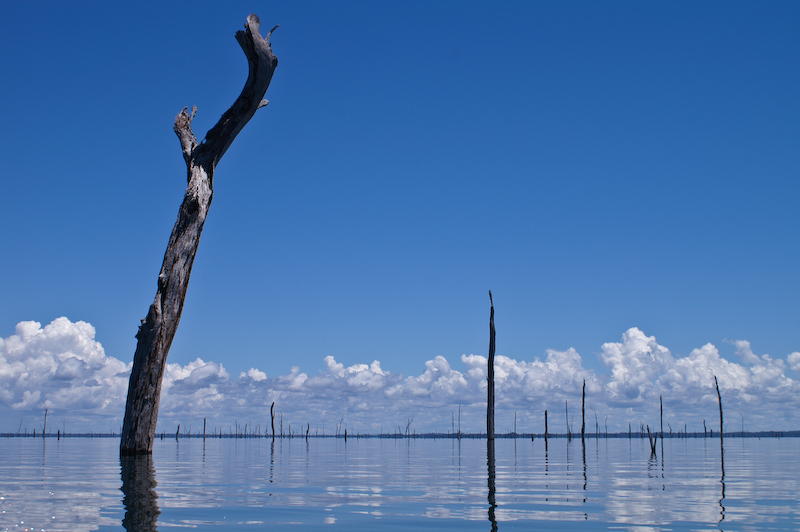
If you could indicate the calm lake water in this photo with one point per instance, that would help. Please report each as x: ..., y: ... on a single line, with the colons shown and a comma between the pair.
x: 385, y: 484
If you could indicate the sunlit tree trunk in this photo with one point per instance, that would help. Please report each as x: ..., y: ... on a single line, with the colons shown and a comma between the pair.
x: 158, y: 329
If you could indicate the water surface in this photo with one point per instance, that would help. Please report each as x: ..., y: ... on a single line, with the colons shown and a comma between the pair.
x: 397, y: 484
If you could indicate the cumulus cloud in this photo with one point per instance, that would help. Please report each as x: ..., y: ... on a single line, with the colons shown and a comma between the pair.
x: 60, y: 367
x: 253, y: 374
x: 63, y: 368
x: 635, y: 363
x: 794, y: 360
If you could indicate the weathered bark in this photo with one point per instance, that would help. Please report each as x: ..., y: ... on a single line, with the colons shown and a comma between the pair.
x: 158, y: 328
x: 490, y: 379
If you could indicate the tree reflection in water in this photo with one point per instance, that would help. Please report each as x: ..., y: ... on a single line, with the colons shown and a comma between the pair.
x: 492, y: 500
x: 140, y: 497
x: 722, y: 479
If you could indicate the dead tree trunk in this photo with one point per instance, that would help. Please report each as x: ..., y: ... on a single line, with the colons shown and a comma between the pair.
x: 545, y: 425
x: 721, y: 429
x: 583, y: 410
x: 158, y: 329
x: 653, y: 439
x: 566, y: 420
x: 490, y: 380
x: 272, y: 419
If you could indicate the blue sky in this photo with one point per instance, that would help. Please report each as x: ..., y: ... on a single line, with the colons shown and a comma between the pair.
x: 598, y: 166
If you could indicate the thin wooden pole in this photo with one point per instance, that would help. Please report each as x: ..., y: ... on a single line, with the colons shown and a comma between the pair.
x: 721, y: 430
x: 583, y: 410
x: 490, y: 381
x: 545, y: 425
x: 272, y: 419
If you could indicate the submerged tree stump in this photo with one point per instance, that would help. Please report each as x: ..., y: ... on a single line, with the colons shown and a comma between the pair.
x: 158, y: 329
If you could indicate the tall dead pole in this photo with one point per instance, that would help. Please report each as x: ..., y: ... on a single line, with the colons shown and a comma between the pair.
x: 272, y: 419
x: 716, y: 384
x: 545, y: 425
x: 583, y: 410
x: 661, y: 409
x: 490, y: 380
x: 158, y: 329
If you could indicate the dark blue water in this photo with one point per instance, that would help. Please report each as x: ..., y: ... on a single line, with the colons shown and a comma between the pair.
x: 383, y: 484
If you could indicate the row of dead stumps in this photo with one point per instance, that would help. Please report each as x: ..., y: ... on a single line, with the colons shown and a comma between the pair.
x: 255, y: 432
x: 490, y: 436
x: 652, y: 436
x: 341, y: 429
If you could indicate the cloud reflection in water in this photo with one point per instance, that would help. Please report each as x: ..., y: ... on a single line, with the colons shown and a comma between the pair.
x: 239, y: 484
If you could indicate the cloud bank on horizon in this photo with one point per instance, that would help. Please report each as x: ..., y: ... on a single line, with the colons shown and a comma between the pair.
x: 62, y: 368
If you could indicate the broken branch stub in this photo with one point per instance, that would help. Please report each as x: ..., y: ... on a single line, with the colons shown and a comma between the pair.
x: 158, y: 328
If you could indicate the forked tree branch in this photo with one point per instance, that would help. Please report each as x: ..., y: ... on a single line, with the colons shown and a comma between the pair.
x: 158, y: 328
x: 183, y: 128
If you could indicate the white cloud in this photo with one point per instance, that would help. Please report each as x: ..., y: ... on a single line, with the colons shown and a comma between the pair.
x: 635, y: 364
x: 743, y: 350
x: 695, y: 373
x: 794, y: 360
x: 439, y: 379
x: 61, y: 367
x: 254, y: 374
